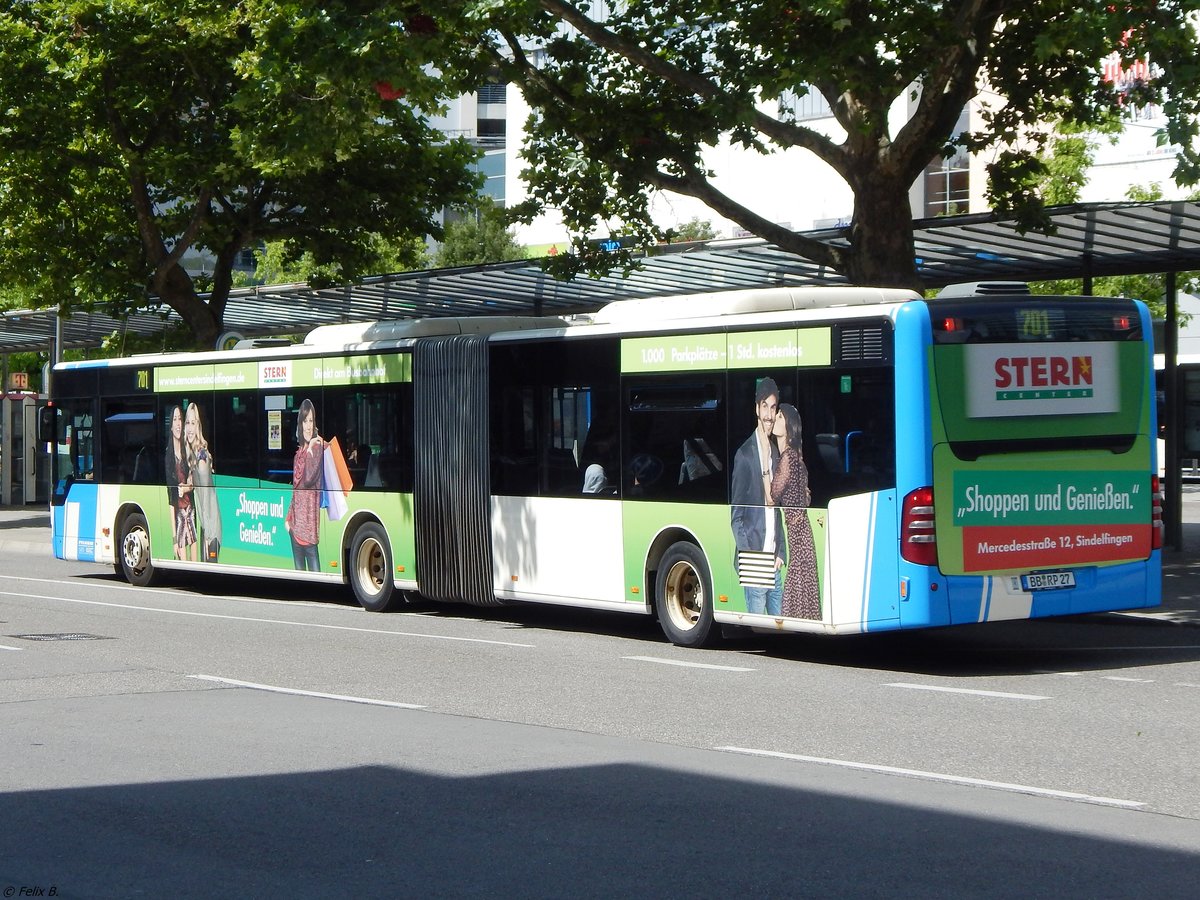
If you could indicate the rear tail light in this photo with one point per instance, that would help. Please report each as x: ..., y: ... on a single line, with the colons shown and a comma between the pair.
x: 1156, y: 513
x: 918, y: 538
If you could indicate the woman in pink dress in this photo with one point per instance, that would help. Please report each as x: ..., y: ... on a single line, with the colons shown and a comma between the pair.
x: 790, y: 492
x: 303, y: 520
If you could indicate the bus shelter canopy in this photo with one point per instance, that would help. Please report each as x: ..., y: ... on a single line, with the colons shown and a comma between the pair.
x: 1087, y: 240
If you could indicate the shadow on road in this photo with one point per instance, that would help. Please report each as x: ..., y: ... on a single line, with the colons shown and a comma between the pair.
x: 591, y: 831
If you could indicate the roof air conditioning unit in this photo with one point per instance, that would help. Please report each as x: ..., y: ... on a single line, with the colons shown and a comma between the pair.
x: 984, y: 289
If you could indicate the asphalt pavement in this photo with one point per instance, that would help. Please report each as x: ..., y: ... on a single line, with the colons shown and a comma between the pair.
x: 26, y: 529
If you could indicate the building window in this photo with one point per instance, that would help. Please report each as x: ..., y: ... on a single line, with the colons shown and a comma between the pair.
x: 492, y: 92
x: 948, y: 185
x: 491, y: 131
x: 811, y: 105
x: 948, y: 178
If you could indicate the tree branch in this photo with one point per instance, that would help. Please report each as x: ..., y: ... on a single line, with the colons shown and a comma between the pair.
x: 781, y: 133
x: 694, y: 184
x: 950, y: 84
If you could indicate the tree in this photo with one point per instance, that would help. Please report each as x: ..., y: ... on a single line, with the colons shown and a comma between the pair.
x: 276, y: 266
x: 481, y: 237
x: 137, y: 131
x: 694, y: 229
x: 627, y: 97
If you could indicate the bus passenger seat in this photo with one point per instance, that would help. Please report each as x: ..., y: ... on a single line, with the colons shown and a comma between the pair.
x: 371, y: 479
x: 829, y: 446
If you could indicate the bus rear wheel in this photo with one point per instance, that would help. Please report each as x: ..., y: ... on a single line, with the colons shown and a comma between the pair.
x: 370, y: 569
x: 133, y: 561
x: 683, y: 597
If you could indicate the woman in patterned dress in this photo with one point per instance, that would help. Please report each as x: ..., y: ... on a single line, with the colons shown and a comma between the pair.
x: 790, y: 491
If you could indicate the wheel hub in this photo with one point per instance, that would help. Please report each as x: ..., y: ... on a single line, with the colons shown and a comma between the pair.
x: 134, y: 549
x: 685, y: 597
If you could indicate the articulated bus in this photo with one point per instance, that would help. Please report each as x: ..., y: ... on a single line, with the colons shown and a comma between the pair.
x: 827, y: 460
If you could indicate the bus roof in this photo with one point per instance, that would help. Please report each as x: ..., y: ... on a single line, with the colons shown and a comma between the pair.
x: 729, y: 303
x: 351, y: 333
x: 620, y: 315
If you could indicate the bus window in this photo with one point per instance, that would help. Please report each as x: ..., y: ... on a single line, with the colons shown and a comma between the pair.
x: 549, y: 402
x: 675, y: 445
x: 849, y: 431
x: 277, y: 431
x: 234, y: 426
x: 73, y: 444
x: 131, y: 442
x: 373, y: 425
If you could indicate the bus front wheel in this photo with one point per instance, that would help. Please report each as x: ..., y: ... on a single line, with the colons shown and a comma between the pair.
x: 371, y: 569
x: 134, y: 563
x: 683, y: 596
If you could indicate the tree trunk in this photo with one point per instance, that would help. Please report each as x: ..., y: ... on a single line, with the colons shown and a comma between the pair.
x: 881, y: 250
x: 178, y: 292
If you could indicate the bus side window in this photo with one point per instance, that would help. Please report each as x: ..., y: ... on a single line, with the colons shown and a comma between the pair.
x: 675, y: 447
x: 849, y: 434
x: 373, y: 425
x: 276, y: 436
x: 545, y: 400
x: 131, y: 445
x: 233, y: 439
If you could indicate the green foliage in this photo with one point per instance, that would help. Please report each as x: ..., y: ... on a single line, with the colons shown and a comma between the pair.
x: 479, y: 238
x: 626, y: 105
x: 135, y: 130
x: 695, y: 229
x: 283, y: 262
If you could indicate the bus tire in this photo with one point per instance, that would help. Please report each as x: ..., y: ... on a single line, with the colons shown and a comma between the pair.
x: 133, y: 552
x: 370, y: 569
x: 683, y: 597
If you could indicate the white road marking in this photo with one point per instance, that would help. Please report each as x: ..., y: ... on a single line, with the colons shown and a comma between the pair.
x: 938, y: 776
x: 125, y: 587
x: 282, y: 690
x: 203, y: 615
x: 690, y: 665
x: 18, y: 649
x: 1004, y: 695
x: 1134, y: 680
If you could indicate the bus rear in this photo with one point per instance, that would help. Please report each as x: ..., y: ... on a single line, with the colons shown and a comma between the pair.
x: 1044, y: 496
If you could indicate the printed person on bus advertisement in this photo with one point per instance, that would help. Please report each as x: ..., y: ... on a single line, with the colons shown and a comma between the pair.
x: 757, y: 524
x: 790, y: 490
x: 303, y: 521
x: 179, y: 489
x: 200, y: 462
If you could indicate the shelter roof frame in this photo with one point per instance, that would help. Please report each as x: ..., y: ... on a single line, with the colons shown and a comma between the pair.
x: 1087, y: 240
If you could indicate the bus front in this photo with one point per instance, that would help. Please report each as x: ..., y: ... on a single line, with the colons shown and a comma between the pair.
x: 1045, y: 495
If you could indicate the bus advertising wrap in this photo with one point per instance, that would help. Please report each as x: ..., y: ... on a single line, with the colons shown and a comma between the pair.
x: 1012, y: 494
x: 1027, y: 520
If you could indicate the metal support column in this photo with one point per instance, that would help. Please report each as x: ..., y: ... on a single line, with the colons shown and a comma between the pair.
x: 1172, y: 489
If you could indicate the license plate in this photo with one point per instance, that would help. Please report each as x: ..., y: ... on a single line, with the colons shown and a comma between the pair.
x: 1047, y: 581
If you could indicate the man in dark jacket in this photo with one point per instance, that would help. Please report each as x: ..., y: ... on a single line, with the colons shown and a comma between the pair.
x: 758, y: 527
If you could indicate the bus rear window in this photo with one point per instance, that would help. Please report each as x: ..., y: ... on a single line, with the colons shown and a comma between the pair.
x: 1026, y: 374
x: 1034, y: 320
